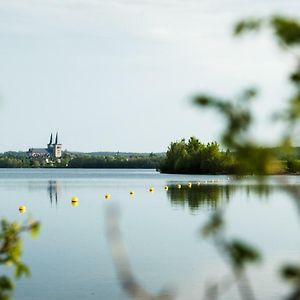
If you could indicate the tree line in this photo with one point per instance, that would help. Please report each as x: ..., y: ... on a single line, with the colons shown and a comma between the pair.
x: 182, y: 157
x: 152, y: 161
x: 195, y: 157
x: 137, y: 162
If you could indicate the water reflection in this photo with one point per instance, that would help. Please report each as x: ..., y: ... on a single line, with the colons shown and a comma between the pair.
x: 206, y: 196
x: 235, y: 235
x: 238, y: 252
x: 212, y: 196
x: 53, y: 189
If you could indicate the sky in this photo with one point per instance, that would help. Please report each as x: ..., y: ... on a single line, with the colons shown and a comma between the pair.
x: 119, y: 75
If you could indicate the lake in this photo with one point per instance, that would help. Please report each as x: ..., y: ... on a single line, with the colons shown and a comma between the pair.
x: 71, y: 257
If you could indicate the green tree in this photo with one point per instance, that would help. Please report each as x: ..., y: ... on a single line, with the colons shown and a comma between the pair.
x: 195, y: 157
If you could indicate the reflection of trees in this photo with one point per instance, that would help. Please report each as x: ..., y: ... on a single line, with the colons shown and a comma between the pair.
x: 210, y: 196
x: 204, y: 196
x: 260, y: 190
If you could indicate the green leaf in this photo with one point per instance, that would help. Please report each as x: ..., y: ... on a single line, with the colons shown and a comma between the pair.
x: 21, y: 270
x: 247, y: 25
x: 35, y: 229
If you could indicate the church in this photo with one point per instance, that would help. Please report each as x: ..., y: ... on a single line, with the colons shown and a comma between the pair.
x: 53, y: 150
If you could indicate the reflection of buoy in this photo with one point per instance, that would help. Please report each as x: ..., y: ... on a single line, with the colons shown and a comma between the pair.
x: 107, y: 196
x: 189, y: 184
x: 151, y: 190
x: 74, y: 199
x: 179, y: 186
x: 166, y: 188
x: 74, y: 204
x: 131, y: 193
x: 22, y: 209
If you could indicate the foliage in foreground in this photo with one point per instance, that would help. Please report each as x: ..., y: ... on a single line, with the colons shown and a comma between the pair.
x: 252, y: 155
x: 11, y: 252
x: 238, y: 113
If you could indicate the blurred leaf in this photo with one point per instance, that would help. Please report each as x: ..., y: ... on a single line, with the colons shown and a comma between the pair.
x: 241, y: 253
x: 295, y: 76
x: 214, y: 225
x: 247, y: 25
x: 291, y: 272
x: 35, y: 229
x: 248, y: 94
x: 5, y: 284
x: 203, y: 100
x: 287, y: 30
x: 21, y: 269
x: 294, y: 109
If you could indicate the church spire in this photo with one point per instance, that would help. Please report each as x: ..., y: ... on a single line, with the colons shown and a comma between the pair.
x: 50, y: 142
x: 56, y: 138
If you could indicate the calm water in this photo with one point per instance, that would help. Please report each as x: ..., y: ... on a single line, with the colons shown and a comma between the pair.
x: 70, y: 258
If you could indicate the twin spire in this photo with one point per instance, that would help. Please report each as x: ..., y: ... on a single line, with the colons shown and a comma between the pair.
x: 51, y: 139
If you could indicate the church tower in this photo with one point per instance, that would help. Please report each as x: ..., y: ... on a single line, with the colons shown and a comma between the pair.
x: 50, y: 146
x: 56, y: 147
x: 50, y: 142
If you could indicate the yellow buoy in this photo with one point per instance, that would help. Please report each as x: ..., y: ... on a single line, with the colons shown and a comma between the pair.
x: 189, y: 184
x: 74, y: 199
x: 131, y: 193
x: 107, y: 196
x: 22, y: 209
x: 179, y: 186
x: 74, y: 204
x: 166, y: 188
x: 151, y: 190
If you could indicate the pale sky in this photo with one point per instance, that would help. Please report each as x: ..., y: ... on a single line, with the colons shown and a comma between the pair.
x: 113, y: 75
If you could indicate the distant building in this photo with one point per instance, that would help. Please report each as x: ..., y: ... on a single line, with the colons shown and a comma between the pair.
x: 53, y: 150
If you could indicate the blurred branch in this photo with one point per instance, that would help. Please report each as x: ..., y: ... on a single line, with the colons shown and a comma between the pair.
x: 119, y: 254
x: 237, y: 255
